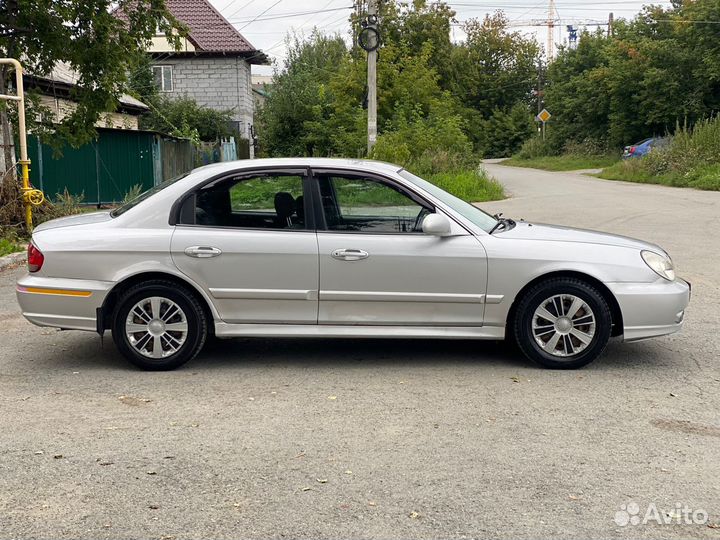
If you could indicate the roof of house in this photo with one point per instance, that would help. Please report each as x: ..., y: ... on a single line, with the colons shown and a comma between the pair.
x: 209, y: 31
x: 64, y: 76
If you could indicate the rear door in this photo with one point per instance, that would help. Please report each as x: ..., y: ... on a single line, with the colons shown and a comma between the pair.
x: 246, y: 240
x: 377, y: 267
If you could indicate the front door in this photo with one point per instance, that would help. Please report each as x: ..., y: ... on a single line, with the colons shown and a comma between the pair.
x: 377, y: 267
x: 246, y: 241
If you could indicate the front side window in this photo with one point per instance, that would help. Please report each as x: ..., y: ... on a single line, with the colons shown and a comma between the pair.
x: 163, y: 78
x: 269, y: 201
x: 357, y: 204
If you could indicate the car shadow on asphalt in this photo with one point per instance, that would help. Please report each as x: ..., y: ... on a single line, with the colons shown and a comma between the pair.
x: 311, y: 352
x: 228, y: 354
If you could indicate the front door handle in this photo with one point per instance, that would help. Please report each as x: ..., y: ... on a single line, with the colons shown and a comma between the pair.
x: 202, y: 252
x: 349, y: 254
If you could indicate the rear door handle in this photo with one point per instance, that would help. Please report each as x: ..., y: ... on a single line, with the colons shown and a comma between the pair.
x: 349, y: 254
x: 202, y: 252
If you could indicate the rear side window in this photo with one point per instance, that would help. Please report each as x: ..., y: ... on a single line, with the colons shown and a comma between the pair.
x: 268, y: 201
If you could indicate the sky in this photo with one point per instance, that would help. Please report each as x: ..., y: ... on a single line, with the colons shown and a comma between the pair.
x: 265, y: 23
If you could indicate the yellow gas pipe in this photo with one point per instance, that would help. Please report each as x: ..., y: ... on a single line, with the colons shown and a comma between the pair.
x: 31, y: 197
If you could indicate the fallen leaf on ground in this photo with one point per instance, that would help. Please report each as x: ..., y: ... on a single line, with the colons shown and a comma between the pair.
x: 332, y: 397
x: 348, y: 471
x: 322, y: 480
x: 151, y: 472
x: 413, y: 515
x: 104, y: 463
x: 372, y: 503
x: 306, y: 488
x: 153, y: 506
x: 38, y: 452
x: 58, y: 456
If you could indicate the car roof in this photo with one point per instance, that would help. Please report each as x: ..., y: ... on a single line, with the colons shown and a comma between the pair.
x: 343, y: 163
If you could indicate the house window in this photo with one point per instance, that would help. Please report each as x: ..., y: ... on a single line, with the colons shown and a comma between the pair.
x: 163, y: 78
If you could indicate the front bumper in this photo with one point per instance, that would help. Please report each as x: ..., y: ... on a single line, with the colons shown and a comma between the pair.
x: 651, y: 309
x: 62, y: 303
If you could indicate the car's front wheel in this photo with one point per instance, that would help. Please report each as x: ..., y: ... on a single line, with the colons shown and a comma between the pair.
x: 562, y: 323
x: 159, y: 325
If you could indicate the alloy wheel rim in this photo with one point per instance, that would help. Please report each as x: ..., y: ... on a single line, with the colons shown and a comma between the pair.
x: 156, y: 327
x: 563, y: 325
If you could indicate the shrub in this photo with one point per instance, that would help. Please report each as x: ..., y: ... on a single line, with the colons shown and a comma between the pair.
x: 65, y: 204
x: 470, y: 185
x: 427, y: 145
x: 691, y: 158
x: 535, y: 147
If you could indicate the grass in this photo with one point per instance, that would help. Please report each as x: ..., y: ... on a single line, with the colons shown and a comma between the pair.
x: 567, y: 162
x: 469, y: 185
x: 9, y: 245
x: 706, y: 177
x: 690, y: 159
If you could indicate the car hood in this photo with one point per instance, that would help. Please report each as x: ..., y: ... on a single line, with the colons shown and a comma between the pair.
x: 80, y: 219
x: 558, y: 233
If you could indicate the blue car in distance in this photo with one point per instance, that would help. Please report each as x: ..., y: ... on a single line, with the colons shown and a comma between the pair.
x: 643, y: 147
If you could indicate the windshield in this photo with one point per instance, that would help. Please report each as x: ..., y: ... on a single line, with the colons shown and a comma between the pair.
x: 480, y: 218
x: 146, y: 195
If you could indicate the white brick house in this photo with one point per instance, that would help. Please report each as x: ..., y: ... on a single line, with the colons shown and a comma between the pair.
x: 213, y: 66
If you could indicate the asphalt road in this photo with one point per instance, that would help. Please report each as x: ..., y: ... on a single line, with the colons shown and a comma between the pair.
x: 379, y: 439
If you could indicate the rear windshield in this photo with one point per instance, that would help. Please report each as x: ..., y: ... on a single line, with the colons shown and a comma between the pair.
x: 146, y: 195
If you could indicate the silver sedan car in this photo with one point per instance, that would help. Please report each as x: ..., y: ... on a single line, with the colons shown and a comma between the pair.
x: 339, y: 248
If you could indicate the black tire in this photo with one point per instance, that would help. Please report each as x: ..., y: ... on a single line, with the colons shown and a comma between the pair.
x: 538, y: 295
x: 197, y: 324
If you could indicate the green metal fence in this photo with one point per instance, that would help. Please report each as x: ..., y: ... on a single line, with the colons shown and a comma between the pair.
x: 102, y: 171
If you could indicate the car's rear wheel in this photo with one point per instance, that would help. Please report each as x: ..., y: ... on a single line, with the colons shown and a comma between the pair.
x: 562, y: 323
x: 159, y: 325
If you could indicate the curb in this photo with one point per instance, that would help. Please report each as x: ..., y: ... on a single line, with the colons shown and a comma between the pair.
x: 12, y: 259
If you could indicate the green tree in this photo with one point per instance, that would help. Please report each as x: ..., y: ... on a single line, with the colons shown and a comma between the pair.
x: 295, y: 116
x: 656, y: 71
x: 89, y: 36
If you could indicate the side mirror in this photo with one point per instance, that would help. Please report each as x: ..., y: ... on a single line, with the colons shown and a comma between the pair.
x: 436, y: 224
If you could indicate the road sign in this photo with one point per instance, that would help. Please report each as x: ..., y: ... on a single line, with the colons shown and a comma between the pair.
x: 544, y: 116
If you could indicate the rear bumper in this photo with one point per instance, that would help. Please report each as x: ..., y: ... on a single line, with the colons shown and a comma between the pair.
x: 61, y: 303
x: 651, y: 309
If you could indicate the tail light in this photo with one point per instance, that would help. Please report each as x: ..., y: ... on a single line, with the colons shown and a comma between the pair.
x: 35, y: 258
x: 632, y: 149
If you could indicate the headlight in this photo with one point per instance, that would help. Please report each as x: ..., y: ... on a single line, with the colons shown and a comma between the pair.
x: 660, y: 264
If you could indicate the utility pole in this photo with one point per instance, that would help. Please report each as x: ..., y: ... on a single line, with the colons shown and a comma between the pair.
x: 611, y: 19
x: 372, y: 80
x: 550, y: 50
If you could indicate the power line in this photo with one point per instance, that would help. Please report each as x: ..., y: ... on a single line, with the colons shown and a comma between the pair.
x: 263, y: 13
x: 288, y: 15
x: 239, y: 9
